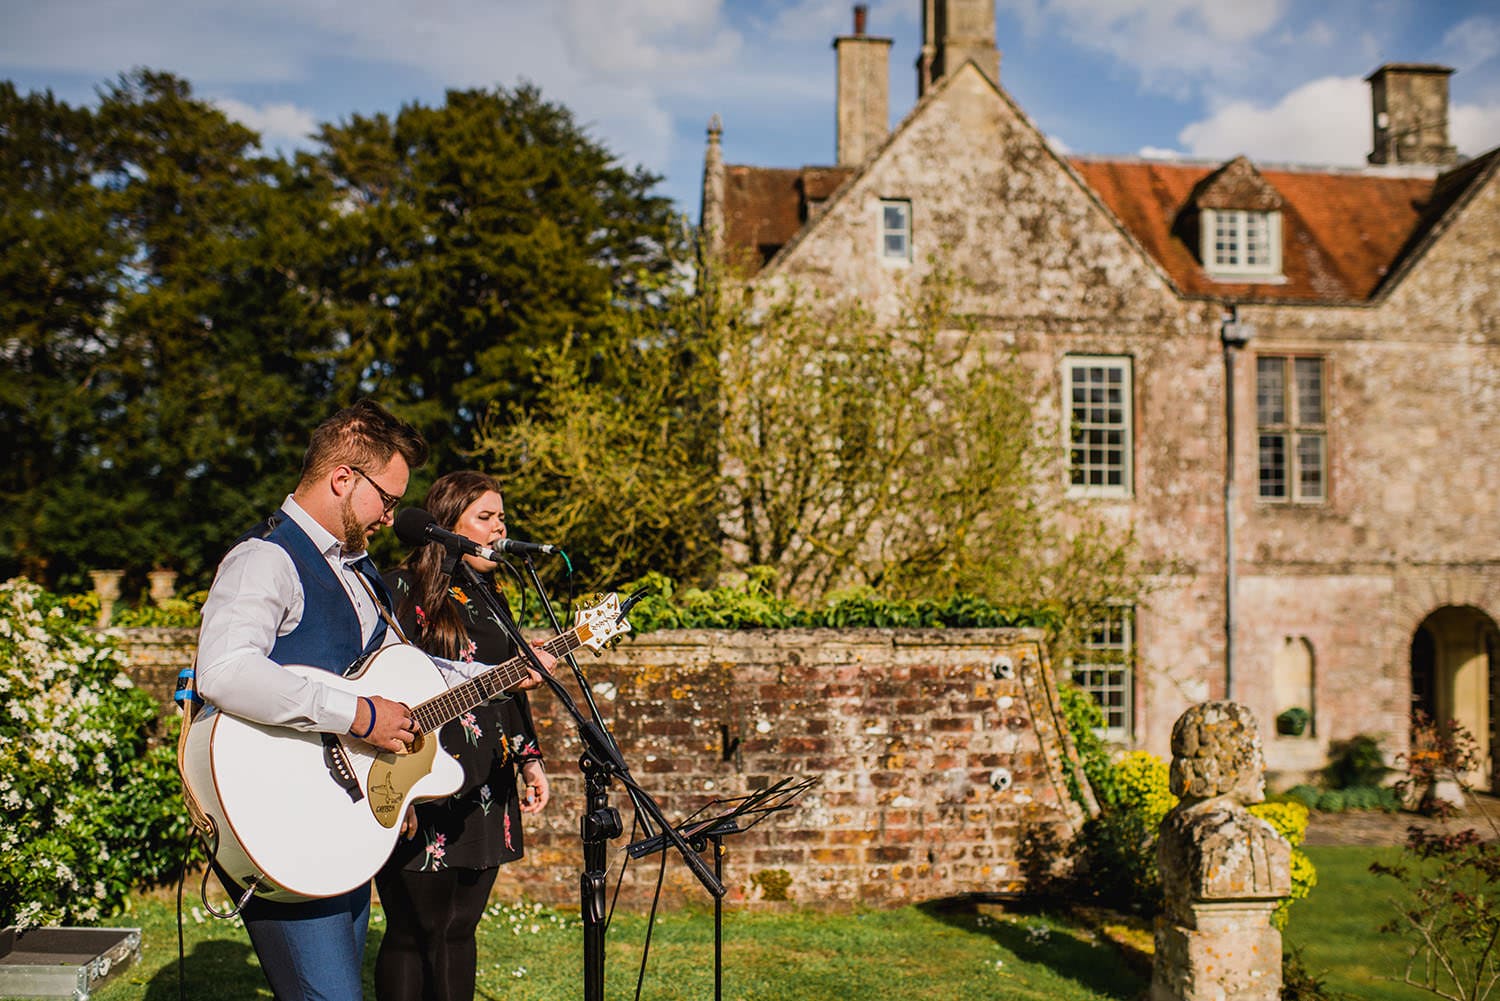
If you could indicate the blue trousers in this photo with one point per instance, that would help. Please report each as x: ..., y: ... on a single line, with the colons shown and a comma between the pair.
x: 314, y: 950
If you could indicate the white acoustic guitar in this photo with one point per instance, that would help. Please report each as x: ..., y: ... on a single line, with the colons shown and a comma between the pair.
x: 307, y: 815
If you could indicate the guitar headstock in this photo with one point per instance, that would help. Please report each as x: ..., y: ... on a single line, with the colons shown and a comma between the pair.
x: 601, y: 621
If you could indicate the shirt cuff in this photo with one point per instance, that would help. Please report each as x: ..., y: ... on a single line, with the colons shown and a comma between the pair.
x: 342, y: 707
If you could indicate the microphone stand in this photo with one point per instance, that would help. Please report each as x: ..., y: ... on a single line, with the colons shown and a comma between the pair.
x: 600, y: 763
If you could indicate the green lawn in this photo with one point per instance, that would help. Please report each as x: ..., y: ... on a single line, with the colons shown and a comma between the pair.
x: 952, y: 954
x: 1336, y: 926
x: 958, y: 953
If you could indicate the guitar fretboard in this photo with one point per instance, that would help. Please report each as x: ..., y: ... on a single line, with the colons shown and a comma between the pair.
x: 456, y: 701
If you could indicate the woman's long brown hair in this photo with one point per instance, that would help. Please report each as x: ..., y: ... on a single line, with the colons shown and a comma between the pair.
x: 440, y: 630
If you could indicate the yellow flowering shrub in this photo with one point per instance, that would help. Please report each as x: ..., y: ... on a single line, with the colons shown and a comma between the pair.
x: 1141, y: 782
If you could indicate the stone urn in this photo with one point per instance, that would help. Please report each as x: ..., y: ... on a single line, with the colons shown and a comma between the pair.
x: 107, y: 587
x: 163, y: 585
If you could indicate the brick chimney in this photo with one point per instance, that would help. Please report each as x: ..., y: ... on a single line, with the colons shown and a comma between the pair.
x: 954, y: 32
x: 1409, y: 105
x: 864, y: 86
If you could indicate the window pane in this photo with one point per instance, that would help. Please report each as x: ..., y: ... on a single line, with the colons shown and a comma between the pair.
x: 1270, y: 391
x: 1257, y: 240
x: 1225, y: 244
x: 1310, y: 473
x: 1309, y: 376
x: 1106, y: 672
x: 895, y: 230
x: 1099, y: 439
x: 1273, y: 465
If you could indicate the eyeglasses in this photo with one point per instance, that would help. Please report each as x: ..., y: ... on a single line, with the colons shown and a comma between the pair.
x: 389, y: 500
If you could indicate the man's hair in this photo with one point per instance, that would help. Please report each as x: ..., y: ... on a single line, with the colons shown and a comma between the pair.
x: 364, y: 435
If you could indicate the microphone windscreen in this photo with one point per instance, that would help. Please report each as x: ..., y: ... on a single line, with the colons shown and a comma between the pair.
x: 411, y: 526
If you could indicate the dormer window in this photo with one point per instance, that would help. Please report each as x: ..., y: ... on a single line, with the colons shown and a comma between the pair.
x: 1239, y: 224
x: 1241, y: 244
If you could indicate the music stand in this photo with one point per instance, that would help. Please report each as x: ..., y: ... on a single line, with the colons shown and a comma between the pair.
x: 734, y: 815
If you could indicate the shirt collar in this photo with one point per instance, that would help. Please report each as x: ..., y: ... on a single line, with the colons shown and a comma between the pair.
x: 321, y: 537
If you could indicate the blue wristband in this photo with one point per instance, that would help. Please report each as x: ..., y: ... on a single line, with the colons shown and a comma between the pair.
x: 369, y: 729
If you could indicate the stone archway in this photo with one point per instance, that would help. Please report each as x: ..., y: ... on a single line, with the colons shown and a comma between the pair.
x: 1455, y: 670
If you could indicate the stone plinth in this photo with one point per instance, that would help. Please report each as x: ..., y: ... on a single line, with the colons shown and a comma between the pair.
x: 1227, y: 950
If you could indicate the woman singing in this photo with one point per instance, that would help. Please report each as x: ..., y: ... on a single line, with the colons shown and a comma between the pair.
x: 437, y: 882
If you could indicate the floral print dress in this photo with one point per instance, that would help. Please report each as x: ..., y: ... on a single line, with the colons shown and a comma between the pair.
x: 478, y: 827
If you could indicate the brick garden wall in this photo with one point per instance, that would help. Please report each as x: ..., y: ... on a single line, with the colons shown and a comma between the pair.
x: 937, y: 749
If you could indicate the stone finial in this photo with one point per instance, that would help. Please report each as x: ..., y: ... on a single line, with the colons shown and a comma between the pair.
x: 711, y: 212
x: 1223, y: 869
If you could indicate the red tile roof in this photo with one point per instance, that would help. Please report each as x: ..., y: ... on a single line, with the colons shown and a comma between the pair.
x: 764, y: 207
x: 1343, y: 232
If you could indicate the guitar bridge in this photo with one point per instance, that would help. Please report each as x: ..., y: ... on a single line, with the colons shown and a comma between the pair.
x: 338, y: 767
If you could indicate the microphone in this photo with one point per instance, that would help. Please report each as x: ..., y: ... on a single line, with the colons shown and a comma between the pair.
x: 416, y: 527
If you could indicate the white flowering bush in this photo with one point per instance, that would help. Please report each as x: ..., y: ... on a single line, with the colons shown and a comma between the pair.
x: 92, y: 804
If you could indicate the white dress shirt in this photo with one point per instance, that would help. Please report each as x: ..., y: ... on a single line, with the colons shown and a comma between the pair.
x: 256, y: 597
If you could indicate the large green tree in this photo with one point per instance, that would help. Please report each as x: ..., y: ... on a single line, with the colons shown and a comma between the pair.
x: 59, y: 258
x: 166, y: 352
x: 180, y: 309
x: 471, y: 237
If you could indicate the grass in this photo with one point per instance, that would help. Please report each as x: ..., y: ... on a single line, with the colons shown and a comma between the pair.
x: 952, y: 952
x: 530, y: 953
x: 1336, y: 927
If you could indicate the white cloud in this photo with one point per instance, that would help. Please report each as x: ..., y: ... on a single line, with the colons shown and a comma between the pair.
x: 1158, y: 153
x: 1474, y: 128
x: 1324, y: 121
x: 1473, y: 41
x: 1170, y: 43
x: 282, y: 127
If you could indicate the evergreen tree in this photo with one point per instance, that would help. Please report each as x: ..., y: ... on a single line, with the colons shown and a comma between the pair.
x: 470, y: 238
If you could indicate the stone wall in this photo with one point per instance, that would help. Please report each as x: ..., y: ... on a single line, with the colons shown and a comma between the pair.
x: 937, y: 749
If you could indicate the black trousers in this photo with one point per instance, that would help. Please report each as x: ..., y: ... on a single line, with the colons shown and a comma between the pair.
x: 428, y: 952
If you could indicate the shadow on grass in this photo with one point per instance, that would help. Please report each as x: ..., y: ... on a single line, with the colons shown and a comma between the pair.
x: 1035, y: 937
x: 223, y: 970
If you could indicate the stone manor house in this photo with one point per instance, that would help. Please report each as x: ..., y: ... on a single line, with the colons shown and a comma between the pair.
x: 1285, y: 377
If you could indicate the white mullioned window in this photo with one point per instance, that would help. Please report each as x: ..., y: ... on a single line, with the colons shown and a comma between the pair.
x: 895, y: 231
x: 1098, y: 404
x: 1291, y: 429
x: 1106, y: 671
x: 1239, y: 244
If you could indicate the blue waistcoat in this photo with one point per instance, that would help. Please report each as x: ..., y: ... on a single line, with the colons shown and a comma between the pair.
x: 328, y: 635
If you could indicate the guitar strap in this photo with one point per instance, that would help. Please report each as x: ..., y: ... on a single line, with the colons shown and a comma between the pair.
x: 192, y: 704
x: 385, y: 613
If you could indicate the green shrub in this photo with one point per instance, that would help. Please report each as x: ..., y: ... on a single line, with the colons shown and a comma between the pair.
x: 1332, y: 801
x: 753, y: 604
x: 1357, y: 761
x: 95, y: 804
x: 1305, y: 794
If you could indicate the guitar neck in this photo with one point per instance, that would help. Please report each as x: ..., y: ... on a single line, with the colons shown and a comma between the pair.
x: 456, y: 701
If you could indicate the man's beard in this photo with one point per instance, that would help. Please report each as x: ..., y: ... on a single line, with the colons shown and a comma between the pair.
x: 354, y: 532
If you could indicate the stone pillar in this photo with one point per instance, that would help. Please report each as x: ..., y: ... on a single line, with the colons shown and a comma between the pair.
x: 107, y: 587
x: 1223, y: 869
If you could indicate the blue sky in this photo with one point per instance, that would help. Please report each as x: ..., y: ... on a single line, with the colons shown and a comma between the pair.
x: 1281, y: 81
